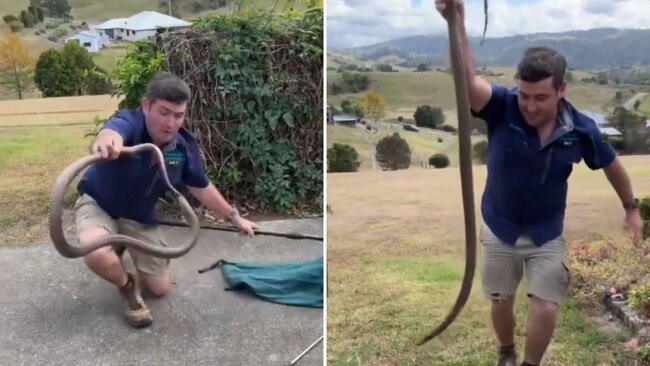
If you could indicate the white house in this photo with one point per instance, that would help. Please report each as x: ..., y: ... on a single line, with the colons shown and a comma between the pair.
x: 609, y: 131
x: 140, y: 26
x: 90, y: 40
x: 597, y: 117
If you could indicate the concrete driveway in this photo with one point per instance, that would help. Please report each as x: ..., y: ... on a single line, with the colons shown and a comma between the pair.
x: 54, y: 311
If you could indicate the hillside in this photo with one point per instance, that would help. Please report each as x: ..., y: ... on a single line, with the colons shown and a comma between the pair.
x: 403, y: 91
x: 590, y: 49
x: 421, y: 147
x: 94, y: 11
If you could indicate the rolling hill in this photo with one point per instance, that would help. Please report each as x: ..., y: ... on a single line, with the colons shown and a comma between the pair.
x: 586, y: 49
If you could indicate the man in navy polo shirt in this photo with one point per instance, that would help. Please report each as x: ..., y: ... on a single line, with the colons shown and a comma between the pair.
x: 535, y: 136
x: 119, y: 195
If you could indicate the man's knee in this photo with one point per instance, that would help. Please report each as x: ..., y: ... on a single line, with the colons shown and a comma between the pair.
x: 543, y: 307
x: 158, y: 285
x: 102, y: 257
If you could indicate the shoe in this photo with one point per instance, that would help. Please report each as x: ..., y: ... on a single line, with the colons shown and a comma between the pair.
x: 137, y: 312
x: 507, y: 357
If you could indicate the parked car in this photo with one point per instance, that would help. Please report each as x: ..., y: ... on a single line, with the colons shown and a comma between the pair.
x: 412, y: 128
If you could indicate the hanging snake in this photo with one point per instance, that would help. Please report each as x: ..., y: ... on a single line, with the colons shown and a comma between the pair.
x: 73, y: 251
x: 465, y: 150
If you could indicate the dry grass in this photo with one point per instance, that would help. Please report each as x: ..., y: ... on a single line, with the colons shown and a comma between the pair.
x: 30, y: 160
x: 394, y: 273
x: 56, y: 111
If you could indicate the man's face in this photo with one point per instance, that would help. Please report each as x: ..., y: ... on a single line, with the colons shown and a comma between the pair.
x: 163, y: 119
x: 538, y: 101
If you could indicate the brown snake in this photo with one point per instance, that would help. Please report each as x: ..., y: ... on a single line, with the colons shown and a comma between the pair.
x: 73, y: 251
x: 465, y: 159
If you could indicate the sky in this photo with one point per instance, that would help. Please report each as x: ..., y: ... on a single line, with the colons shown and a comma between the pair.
x: 352, y: 23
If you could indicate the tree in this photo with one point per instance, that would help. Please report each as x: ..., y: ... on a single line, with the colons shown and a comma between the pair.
x: 342, y: 158
x: 28, y: 19
x: 427, y: 116
x: 637, y: 103
x: 54, y: 8
x: 80, y: 63
x: 53, y: 75
x: 423, y: 67
x: 347, y: 106
x: 15, y: 58
x: 372, y: 106
x: 9, y: 18
x: 393, y: 153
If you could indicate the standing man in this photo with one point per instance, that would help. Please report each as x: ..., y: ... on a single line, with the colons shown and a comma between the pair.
x: 535, y: 136
x: 119, y: 196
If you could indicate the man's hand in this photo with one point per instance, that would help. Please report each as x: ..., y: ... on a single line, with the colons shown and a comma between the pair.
x: 444, y: 6
x: 634, y: 224
x: 246, y: 226
x: 108, y: 144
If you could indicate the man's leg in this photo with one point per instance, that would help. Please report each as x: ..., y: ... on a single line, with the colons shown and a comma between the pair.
x: 104, y: 261
x: 541, y: 325
x: 153, y: 271
x: 548, y: 281
x: 92, y: 223
x: 502, y: 271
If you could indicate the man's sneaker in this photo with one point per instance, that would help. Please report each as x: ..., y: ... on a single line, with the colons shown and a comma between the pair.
x: 507, y: 357
x: 137, y: 313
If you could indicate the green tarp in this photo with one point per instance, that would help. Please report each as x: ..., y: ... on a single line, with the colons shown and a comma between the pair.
x: 296, y: 283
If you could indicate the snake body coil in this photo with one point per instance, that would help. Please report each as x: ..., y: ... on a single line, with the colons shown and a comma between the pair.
x: 72, y: 251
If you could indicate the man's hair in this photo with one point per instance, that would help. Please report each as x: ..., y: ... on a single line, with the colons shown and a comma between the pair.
x: 169, y: 87
x: 539, y: 63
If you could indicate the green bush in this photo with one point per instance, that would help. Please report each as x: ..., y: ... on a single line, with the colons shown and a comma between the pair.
x: 449, y: 128
x: 16, y: 26
x: 9, y: 18
x: 393, y: 153
x: 481, y: 151
x: 256, y: 86
x: 439, y: 161
x: 342, y: 158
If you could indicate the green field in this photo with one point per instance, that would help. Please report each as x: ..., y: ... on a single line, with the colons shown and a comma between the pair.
x: 644, y: 107
x: 405, y: 90
x: 421, y: 147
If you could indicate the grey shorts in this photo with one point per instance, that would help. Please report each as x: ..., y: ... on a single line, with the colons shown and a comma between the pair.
x: 90, y: 215
x: 547, y: 275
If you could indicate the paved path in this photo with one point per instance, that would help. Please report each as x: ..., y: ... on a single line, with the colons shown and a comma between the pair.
x: 54, y: 311
x: 630, y: 103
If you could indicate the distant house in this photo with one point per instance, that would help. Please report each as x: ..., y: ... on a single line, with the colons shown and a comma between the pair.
x: 90, y: 40
x: 345, y: 119
x: 140, y: 26
x: 597, y: 117
x: 609, y: 131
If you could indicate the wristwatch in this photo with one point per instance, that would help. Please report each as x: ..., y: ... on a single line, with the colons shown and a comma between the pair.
x: 233, y: 214
x: 631, y: 204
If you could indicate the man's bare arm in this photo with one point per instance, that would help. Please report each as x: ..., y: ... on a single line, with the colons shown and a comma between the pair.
x: 619, y: 180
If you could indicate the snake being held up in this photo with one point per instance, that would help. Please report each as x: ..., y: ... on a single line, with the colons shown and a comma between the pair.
x: 73, y: 251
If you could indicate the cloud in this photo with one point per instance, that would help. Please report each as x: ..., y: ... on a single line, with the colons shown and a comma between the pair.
x: 352, y: 23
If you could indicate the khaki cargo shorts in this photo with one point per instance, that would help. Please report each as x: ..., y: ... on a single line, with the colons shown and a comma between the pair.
x: 547, y: 276
x: 90, y: 215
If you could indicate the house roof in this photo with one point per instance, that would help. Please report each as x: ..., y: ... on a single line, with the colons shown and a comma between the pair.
x: 144, y: 20
x: 84, y: 33
x: 113, y: 24
x: 610, y: 131
x: 597, y: 117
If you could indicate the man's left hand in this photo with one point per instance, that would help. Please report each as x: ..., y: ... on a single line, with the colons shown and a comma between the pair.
x: 247, y: 227
x: 634, y: 224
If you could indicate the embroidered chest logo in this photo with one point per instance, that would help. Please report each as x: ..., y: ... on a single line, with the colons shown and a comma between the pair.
x: 569, y: 139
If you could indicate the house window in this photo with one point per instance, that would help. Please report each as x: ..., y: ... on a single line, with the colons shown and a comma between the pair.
x: 86, y: 44
x: 133, y: 32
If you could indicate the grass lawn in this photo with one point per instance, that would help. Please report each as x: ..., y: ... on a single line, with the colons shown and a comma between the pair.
x: 107, y: 58
x: 31, y: 158
x: 396, y: 259
x: 644, y: 107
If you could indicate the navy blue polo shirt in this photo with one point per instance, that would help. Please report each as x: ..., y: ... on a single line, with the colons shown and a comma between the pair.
x: 527, y: 183
x: 130, y: 186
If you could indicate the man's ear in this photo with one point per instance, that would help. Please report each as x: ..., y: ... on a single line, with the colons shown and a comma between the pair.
x: 561, y: 92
